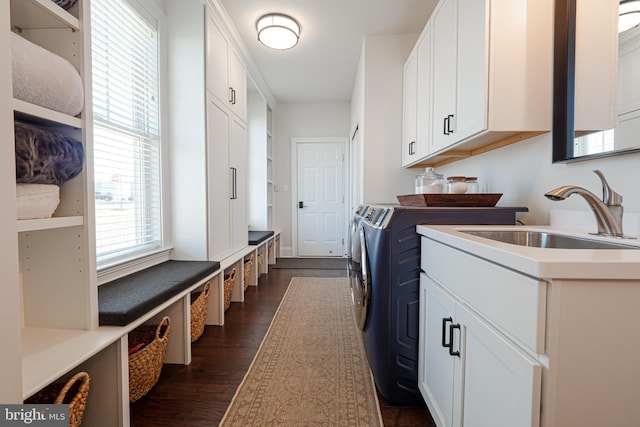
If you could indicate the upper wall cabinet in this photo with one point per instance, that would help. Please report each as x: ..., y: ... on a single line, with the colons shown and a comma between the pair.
x: 416, y: 135
x: 226, y: 77
x: 491, y: 76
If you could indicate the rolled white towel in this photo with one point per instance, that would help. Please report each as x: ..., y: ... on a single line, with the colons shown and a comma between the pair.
x: 43, y: 78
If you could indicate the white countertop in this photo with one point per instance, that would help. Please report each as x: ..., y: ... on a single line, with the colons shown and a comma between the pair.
x: 543, y: 262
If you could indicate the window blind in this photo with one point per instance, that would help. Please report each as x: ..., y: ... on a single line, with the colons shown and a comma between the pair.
x: 126, y: 131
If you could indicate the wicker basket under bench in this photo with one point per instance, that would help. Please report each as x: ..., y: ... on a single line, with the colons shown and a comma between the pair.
x: 73, y: 392
x: 147, y: 348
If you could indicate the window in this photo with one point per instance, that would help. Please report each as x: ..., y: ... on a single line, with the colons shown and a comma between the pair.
x: 126, y: 130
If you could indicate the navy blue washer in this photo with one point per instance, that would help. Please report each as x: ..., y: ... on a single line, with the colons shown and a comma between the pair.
x: 390, y: 331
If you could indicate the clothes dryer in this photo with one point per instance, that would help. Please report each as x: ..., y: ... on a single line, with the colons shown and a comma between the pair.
x: 386, y: 297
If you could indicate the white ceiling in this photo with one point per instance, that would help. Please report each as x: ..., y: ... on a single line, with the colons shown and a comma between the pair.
x: 322, y: 67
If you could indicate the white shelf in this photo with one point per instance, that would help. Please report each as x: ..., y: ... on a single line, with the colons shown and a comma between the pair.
x: 49, y: 223
x: 48, y: 353
x: 40, y: 115
x: 41, y: 14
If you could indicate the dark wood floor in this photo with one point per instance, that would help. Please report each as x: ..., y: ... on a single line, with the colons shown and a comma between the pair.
x: 198, y: 394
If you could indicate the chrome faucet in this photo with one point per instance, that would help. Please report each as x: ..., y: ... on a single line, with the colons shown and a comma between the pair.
x: 608, y: 211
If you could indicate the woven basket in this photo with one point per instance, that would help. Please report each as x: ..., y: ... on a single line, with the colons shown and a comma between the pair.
x: 73, y: 393
x: 247, y: 271
x: 145, y: 364
x: 199, y: 306
x: 229, y: 280
x: 260, y: 262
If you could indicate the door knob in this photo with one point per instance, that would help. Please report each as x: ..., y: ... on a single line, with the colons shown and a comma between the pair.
x: 300, y: 204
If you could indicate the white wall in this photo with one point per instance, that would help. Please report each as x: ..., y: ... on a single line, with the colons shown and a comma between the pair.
x: 524, y: 172
x: 299, y: 120
x: 377, y: 111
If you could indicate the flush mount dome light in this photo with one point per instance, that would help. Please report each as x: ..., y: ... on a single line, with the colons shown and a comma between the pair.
x: 278, y: 31
x: 629, y: 12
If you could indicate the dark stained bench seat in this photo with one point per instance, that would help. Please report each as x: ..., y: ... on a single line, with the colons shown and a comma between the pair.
x: 257, y: 237
x: 123, y: 300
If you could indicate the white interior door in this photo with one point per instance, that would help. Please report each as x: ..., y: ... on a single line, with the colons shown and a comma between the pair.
x: 320, y: 198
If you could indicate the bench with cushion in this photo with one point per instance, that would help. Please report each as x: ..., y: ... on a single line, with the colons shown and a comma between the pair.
x: 123, y: 300
x: 257, y: 237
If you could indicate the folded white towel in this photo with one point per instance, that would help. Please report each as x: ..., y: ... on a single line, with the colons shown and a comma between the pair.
x: 37, y: 200
x: 43, y: 78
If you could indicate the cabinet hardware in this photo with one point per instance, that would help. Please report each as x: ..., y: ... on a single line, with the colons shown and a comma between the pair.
x: 451, y: 328
x: 300, y: 204
x: 449, y: 127
x: 446, y: 320
x: 233, y: 96
x: 234, y: 183
x: 446, y: 126
x: 412, y: 146
x: 230, y: 94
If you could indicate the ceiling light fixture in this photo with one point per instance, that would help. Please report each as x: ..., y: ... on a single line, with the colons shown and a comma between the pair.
x: 278, y: 31
x: 629, y: 12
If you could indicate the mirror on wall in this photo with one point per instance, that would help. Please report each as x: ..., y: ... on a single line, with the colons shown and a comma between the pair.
x: 569, y: 145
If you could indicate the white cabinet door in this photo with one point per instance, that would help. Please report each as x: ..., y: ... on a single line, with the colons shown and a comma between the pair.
x: 460, y: 70
x: 416, y: 136
x: 410, y: 93
x: 217, y: 64
x: 238, y: 85
x: 218, y: 179
x: 226, y: 74
x: 445, y: 34
x: 501, y: 385
x: 436, y: 365
x: 472, y: 68
x: 468, y: 373
x: 423, y: 102
x: 238, y: 162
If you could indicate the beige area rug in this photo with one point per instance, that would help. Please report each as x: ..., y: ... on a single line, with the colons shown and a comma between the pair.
x: 311, y: 368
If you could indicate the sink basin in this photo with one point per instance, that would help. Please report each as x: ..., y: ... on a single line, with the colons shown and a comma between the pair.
x: 543, y: 239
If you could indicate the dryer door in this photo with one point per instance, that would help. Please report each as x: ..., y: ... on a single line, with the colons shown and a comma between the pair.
x: 361, y: 287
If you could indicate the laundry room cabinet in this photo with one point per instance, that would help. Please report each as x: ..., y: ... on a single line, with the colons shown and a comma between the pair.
x: 209, y: 150
x: 226, y: 77
x: 416, y: 122
x: 227, y: 180
x: 491, y: 75
x: 467, y: 369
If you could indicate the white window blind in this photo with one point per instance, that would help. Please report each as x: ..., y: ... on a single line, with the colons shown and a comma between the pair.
x: 126, y: 131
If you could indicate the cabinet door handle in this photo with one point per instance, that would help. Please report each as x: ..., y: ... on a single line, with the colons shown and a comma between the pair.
x: 233, y: 91
x: 449, y: 127
x: 451, y: 328
x: 446, y: 126
x: 234, y: 181
x: 230, y: 94
x: 412, y: 146
x: 445, y: 320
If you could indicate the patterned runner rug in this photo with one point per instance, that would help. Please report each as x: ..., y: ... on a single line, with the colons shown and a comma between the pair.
x: 311, y: 368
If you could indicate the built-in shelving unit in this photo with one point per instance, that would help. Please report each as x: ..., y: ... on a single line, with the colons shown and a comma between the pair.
x: 39, y: 115
x: 56, y: 294
x: 261, y: 187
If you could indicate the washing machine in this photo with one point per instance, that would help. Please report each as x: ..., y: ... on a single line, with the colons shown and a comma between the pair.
x: 385, y: 289
x: 354, y: 270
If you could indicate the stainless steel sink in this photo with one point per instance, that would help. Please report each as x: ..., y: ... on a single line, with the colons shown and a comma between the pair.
x: 543, y: 239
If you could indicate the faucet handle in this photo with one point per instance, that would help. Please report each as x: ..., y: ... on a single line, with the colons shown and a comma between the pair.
x: 609, y: 197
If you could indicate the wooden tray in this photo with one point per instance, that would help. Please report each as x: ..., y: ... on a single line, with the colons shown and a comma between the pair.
x: 457, y: 200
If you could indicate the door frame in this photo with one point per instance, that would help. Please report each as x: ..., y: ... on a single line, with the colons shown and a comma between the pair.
x: 295, y: 143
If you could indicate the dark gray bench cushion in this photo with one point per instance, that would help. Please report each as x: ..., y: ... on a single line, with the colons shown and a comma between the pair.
x: 257, y: 237
x: 124, y: 300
